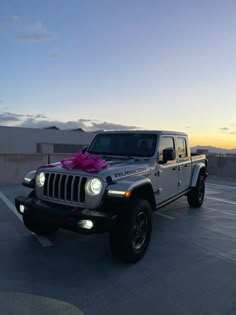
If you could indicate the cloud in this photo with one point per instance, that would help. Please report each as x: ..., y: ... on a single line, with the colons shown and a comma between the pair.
x: 42, y: 121
x: 41, y: 116
x: 111, y: 126
x: 85, y: 124
x: 35, y: 123
x: 229, y: 130
x: 18, y: 119
x: 26, y: 30
x: 84, y: 120
x: 224, y: 128
x: 188, y: 127
x: 9, y: 117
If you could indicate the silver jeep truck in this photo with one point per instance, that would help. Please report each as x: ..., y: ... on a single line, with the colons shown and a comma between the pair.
x: 147, y: 170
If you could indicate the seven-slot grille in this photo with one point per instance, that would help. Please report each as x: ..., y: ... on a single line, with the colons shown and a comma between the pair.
x: 64, y: 188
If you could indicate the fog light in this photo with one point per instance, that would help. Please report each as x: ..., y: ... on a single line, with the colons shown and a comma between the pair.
x: 86, y: 224
x: 22, y: 209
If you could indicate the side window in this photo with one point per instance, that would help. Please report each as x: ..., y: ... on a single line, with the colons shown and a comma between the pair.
x: 182, y: 148
x: 166, y: 143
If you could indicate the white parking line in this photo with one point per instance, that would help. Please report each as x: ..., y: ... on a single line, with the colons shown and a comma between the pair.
x: 210, y: 191
x: 165, y: 215
x: 217, y: 210
x: 222, y: 186
x: 10, y: 206
x: 42, y: 239
x: 222, y: 200
x: 210, y: 209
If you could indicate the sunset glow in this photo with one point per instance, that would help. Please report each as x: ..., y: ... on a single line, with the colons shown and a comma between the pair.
x: 121, y: 65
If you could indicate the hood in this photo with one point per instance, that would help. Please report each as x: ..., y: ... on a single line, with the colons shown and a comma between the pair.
x: 123, y: 168
x: 116, y: 169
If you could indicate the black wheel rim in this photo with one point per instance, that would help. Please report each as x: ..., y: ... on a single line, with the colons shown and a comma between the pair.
x: 140, y: 230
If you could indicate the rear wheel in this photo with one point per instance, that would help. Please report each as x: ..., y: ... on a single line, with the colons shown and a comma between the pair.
x: 131, y: 235
x: 196, y: 195
x: 36, y: 226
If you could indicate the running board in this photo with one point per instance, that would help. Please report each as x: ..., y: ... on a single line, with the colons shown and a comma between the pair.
x: 165, y: 203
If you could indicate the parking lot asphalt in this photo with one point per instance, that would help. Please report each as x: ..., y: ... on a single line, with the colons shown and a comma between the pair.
x: 189, y: 268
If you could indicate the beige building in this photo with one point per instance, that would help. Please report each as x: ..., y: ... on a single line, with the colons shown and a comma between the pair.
x: 35, y: 140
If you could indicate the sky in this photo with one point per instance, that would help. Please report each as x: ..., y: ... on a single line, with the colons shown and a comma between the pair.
x: 104, y: 64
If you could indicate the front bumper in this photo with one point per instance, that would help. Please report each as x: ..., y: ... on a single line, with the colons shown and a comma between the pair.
x: 66, y: 217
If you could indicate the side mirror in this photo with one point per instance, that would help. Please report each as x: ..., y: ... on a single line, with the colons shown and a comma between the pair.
x: 168, y: 155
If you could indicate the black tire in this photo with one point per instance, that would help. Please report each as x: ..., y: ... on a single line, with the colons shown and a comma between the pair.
x: 36, y: 226
x: 196, y: 195
x: 131, y: 235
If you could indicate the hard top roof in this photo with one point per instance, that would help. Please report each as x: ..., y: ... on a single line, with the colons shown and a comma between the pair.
x: 157, y: 132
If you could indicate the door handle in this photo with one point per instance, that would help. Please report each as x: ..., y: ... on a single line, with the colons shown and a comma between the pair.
x: 186, y: 165
x: 175, y: 168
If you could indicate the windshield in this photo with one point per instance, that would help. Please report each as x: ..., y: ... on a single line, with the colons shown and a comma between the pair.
x: 124, y: 144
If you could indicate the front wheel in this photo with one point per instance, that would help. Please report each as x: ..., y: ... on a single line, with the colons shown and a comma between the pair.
x: 196, y: 195
x: 36, y: 226
x: 131, y: 235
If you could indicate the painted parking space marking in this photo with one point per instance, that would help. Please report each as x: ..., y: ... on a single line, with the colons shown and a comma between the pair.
x: 210, y: 191
x: 42, y: 239
x: 222, y: 186
x: 210, y: 209
x: 222, y: 200
x: 10, y: 205
x: 218, y: 210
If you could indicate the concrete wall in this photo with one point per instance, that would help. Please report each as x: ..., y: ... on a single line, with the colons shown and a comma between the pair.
x: 13, y: 167
x: 222, y: 166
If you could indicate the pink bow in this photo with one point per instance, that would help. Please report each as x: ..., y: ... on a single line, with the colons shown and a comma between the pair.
x: 86, y: 162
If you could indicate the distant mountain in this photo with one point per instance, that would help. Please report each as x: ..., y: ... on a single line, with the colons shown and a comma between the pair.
x: 214, y: 150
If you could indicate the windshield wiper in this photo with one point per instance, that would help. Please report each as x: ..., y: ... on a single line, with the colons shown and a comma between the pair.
x: 119, y: 157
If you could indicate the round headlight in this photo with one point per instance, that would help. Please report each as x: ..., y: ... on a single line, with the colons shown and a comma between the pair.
x: 93, y: 186
x: 40, y: 179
